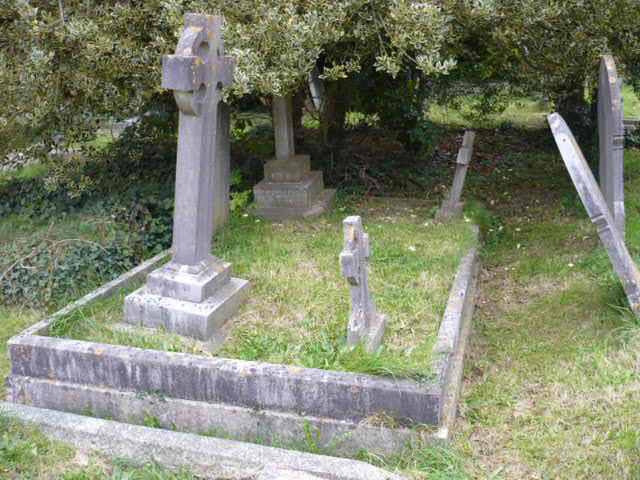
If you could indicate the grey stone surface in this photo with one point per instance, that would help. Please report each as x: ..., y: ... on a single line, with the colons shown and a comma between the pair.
x: 290, y: 190
x: 611, y: 141
x: 283, y: 127
x: 238, y: 423
x: 283, y: 388
x: 222, y: 170
x: 366, y: 325
x: 204, y: 456
x: 452, y: 206
x: 450, y: 346
x: 193, y: 294
x: 597, y: 209
x: 202, y: 320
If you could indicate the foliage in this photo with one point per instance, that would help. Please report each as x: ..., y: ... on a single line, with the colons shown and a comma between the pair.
x: 401, y: 104
x: 48, y: 267
x: 67, y: 66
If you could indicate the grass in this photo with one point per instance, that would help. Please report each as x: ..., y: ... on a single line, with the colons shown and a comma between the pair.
x: 551, y: 386
x: 299, y: 304
x: 27, y: 454
x: 631, y: 102
x: 524, y: 112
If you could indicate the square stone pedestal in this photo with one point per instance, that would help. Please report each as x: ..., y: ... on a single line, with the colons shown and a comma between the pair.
x: 193, y: 301
x: 290, y: 190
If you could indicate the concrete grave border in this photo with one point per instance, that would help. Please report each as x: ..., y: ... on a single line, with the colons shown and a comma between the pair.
x: 204, y: 456
x: 242, y: 399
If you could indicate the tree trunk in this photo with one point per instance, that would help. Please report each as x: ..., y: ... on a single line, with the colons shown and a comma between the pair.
x: 332, y: 118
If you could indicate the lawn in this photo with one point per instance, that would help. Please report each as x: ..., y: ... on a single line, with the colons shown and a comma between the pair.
x: 299, y: 303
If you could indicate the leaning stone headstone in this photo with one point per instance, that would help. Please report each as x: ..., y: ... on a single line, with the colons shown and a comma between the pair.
x: 290, y: 189
x: 452, y: 206
x: 194, y: 294
x: 611, y: 140
x: 596, y: 207
x: 365, y: 324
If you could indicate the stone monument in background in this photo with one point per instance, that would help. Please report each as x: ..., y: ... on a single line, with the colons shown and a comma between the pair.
x: 611, y: 140
x: 290, y: 190
x: 194, y: 294
x: 452, y: 206
x: 596, y: 207
x: 365, y: 324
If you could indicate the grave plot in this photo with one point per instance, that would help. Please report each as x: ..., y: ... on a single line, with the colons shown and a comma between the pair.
x: 296, y: 320
x: 285, y: 375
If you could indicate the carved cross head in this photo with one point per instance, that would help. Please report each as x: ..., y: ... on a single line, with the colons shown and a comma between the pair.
x: 355, y: 256
x: 199, y: 69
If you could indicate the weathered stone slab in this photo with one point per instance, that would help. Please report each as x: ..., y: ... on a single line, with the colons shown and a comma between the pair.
x: 452, y: 206
x: 611, y: 141
x: 203, y: 320
x: 292, y: 169
x: 204, y: 456
x: 194, y: 294
x: 366, y: 325
x: 597, y: 209
x: 322, y: 393
x: 341, y: 437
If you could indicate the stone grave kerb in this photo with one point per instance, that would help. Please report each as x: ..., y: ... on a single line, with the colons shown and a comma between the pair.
x: 365, y: 324
x: 611, y: 140
x: 196, y: 73
x: 597, y: 209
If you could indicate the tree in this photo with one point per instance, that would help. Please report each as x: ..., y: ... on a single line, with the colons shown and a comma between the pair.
x: 69, y: 63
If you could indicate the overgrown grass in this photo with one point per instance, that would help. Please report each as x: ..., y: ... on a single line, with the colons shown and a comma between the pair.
x: 299, y: 303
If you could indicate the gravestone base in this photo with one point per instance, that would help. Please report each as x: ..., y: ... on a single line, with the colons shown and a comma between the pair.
x: 290, y: 190
x: 371, y: 337
x: 449, y: 212
x: 192, y: 283
x: 204, y: 320
x: 273, y: 207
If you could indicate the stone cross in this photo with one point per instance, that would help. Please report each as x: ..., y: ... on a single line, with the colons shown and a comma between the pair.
x: 196, y: 73
x: 611, y: 140
x: 365, y: 324
x: 452, y: 206
x: 598, y: 211
x: 194, y: 293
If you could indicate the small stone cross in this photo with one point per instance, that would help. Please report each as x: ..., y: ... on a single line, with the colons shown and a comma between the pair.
x: 365, y: 324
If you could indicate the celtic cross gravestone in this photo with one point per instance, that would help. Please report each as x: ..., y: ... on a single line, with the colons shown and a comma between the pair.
x: 597, y: 208
x: 365, y: 324
x: 194, y: 294
x: 611, y: 141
